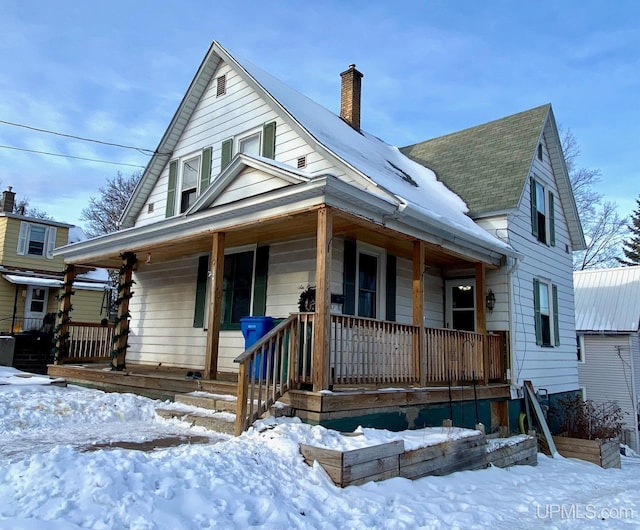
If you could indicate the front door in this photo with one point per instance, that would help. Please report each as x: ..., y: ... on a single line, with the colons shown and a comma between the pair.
x: 35, y: 307
x: 461, y: 304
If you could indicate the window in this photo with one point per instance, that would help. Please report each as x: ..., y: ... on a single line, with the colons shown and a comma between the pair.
x: 461, y: 304
x: 580, y: 348
x: 36, y: 240
x: 244, y: 287
x: 236, y: 287
x: 189, y: 184
x: 367, y: 285
x: 542, y: 213
x: 250, y: 145
x: 545, y: 300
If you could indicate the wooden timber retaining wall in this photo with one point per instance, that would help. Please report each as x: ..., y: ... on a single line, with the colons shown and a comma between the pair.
x: 388, y: 460
x: 604, y: 453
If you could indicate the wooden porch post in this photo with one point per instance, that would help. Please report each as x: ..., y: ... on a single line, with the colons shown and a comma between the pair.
x: 419, y: 256
x: 481, y: 318
x: 322, y: 319
x: 215, y: 306
x: 61, y: 331
x: 121, y: 331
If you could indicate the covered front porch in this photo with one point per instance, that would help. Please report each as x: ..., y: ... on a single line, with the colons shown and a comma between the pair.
x: 311, y: 359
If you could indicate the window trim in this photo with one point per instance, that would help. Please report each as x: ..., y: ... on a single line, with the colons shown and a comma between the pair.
x: 180, y: 184
x: 24, y: 240
x: 554, y: 331
x: 381, y: 273
x: 233, y: 326
x: 548, y: 237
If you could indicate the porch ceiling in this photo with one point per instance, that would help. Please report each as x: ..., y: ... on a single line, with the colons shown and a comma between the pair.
x: 284, y: 227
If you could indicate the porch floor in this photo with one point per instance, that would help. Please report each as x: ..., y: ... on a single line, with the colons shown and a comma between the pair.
x: 341, y: 405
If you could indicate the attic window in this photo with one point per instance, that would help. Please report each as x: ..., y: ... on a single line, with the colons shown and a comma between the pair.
x: 221, y: 85
x: 302, y: 162
x: 539, y: 151
x: 403, y: 174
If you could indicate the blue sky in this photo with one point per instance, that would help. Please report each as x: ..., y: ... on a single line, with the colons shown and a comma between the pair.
x: 116, y: 71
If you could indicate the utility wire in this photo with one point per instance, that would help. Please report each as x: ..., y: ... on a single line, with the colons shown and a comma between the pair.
x: 69, y: 156
x: 139, y: 149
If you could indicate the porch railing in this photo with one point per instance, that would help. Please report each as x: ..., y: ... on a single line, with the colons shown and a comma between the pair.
x: 89, y: 342
x: 363, y: 351
x: 270, y: 367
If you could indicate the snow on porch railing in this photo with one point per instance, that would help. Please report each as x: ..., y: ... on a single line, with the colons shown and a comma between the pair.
x: 271, y: 366
x: 89, y: 342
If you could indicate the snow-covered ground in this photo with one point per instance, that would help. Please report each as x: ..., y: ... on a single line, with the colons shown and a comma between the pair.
x: 49, y: 480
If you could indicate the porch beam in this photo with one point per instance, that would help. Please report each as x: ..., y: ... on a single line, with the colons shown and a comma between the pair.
x: 63, y: 318
x: 121, y: 331
x: 419, y: 258
x: 481, y: 318
x: 322, y: 319
x: 215, y: 306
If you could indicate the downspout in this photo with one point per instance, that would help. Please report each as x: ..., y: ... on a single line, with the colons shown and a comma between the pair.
x: 634, y: 394
x: 512, y: 323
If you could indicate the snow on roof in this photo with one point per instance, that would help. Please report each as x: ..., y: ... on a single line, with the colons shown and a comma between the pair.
x: 607, y: 299
x: 412, y: 183
x: 76, y: 234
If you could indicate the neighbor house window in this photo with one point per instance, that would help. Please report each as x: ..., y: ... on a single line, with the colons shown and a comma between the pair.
x: 542, y: 213
x: 580, y: 347
x: 36, y: 239
x: 189, y: 184
x: 545, y: 300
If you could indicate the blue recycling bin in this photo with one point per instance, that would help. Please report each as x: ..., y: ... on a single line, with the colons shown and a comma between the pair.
x: 254, y: 328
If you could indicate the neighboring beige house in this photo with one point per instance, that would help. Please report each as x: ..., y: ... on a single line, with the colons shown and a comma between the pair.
x: 256, y: 193
x: 608, y: 330
x: 30, y: 276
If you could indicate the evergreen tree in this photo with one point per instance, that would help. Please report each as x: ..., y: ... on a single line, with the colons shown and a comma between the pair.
x: 631, y: 247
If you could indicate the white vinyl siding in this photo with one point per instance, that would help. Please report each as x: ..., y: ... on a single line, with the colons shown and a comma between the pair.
x: 609, y: 374
x: 552, y: 368
x: 216, y: 119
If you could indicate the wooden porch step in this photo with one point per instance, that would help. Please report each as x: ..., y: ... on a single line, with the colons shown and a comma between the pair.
x: 217, y: 423
x: 205, y: 400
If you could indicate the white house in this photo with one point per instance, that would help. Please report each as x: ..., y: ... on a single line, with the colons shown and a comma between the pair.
x: 608, y: 328
x: 256, y: 193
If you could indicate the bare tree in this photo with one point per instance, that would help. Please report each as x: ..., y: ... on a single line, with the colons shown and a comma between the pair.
x: 22, y: 207
x: 103, y: 212
x: 604, y: 229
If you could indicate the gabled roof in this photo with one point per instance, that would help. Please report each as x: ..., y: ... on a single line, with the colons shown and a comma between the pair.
x: 489, y: 165
x: 380, y: 167
x: 607, y: 300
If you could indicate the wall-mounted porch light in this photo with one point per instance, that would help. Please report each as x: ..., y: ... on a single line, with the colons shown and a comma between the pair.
x: 491, y: 301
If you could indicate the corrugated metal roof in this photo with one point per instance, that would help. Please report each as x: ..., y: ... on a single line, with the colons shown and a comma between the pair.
x: 607, y: 299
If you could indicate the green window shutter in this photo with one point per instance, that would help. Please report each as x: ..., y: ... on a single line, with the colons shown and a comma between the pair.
x: 349, y: 272
x: 391, y: 287
x: 552, y: 221
x: 536, y: 308
x: 201, y: 291
x: 226, y: 154
x: 205, y: 170
x: 269, y: 140
x: 534, y: 207
x: 171, y: 191
x: 260, y: 282
x: 556, y: 327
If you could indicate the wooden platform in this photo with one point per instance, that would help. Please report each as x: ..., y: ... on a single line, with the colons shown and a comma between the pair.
x: 154, y: 382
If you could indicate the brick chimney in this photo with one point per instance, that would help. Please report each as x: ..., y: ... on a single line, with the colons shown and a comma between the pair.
x: 8, y: 200
x: 350, y: 96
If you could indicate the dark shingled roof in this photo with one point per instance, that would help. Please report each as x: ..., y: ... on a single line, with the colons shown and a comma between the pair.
x: 486, y: 165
